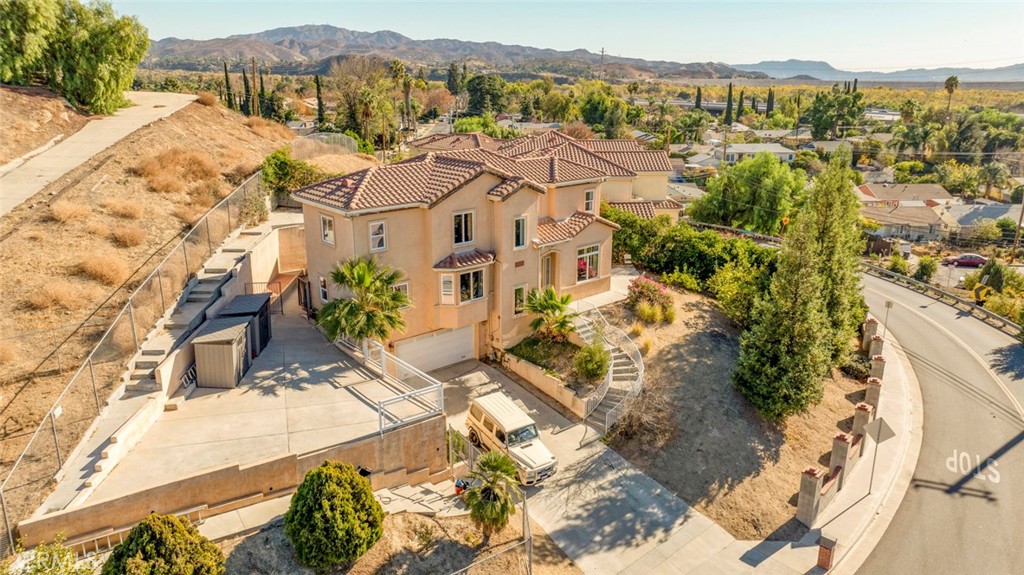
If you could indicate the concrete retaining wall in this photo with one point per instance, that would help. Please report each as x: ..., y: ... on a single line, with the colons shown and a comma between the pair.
x: 547, y: 384
x: 410, y: 454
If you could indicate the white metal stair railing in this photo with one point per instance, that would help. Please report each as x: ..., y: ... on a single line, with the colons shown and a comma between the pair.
x: 593, y: 321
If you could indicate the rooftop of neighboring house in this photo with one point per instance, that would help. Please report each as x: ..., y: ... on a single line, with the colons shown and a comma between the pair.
x: 646, y: 209
x: 831, y: 145
x: 685, y: 191
x: 772, y: 134
x: 968, y: 215
x: 905, y: 192
x: 550, y: 232
x: 904, y: 215
x: 758, y: 148
x: 445, y: 142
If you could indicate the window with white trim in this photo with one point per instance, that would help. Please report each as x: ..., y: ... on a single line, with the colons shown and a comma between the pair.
x: 471, y: 286
x: 324, y: 296
x: 519, y: 300
x: 378, y: 236
x: 404, y: 288
x: 447, y: 289
x: 588, y: 201
x: 463, y: 228
x: 519, y: 232
x: 587, y: 263
x: 327, y: 229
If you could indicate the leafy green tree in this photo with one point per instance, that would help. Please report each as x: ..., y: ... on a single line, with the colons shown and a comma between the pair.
x: 47, y: 559
x: 229, y: 95
x: 1017, y: 195
x: 486, y: 94
x: 374, y: 308
x: 454, y: 82
x: 951, y: 85
x: 557, y: 107
x: 247, y: 95
x: 284, y: 174
x: 926, y: 268
x: 26, y: 29
x: 899, y: 264
x: 491, y: 501
x: 834, y: 211
x: 592, y: 361
x: 636, y: 236
x: 615, y: 120
x: 909, y: 109
x: 994, y: 174
x: 785, y: 352
x: 755, y: 193
x: 693, y: 124
x: 632, y: 88
x: 769, y: 106
x: 333, y: 518
x: 986, y: 230
x: 739, y: 107
x: 833, y: 109
x: 320, y: 110
x: 737, y: 287
x: 165, y: 545
x: 554, y: 321
x: 728, y: 107
x: 958, y: 178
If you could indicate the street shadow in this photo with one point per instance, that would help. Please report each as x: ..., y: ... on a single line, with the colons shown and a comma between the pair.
x: 1009, y: 361
x: 946, y: 487
x: 790, y: 531
x: 931, y: 372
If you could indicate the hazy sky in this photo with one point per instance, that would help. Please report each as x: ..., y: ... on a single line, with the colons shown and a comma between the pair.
x: 864, y: 35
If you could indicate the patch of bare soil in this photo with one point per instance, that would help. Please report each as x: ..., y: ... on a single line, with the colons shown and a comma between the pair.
x: 411, y: 545
x: 31, y: 117
x: 76, y: 250
x: 344, y: 163
x: 717, y: 453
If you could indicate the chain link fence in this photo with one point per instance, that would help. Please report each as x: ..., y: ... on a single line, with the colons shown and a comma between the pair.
x: 30, y: 477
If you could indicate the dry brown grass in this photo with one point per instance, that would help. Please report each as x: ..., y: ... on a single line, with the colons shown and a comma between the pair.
x: 166, y: 184
x: 98, y: 229
x: 128, y: 236
x: 241, y: 172
x: 267, y: 129
x: 126, y: 209
x: 57, y: 294
x: 172, y: 170
x: 64, y: 211
x: 213, y: 189
x: 109, y: 269
x: 8, y: 354
x: 207, y: 99
x: 189, y: 214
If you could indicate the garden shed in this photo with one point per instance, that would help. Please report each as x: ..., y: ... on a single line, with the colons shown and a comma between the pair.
x: 256, y: 306
x: 222, y: 352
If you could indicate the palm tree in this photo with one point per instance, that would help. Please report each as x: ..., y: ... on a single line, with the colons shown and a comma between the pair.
x: 491, y: 501
x: 375, y: 308
x: 909, y: 110
x: 554, y: 321
x: 952, y: 83
x: 994, y: 174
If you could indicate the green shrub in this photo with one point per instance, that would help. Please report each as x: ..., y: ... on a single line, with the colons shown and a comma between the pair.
x: 736, y: 287
x: 926, y: 268
x: 648, y: 313
x: 47, y: 559
x: 284, y: 174
x: 592, y: 361
x: 1005, y: 305
x: 668, y: 314
x: 856, y: 366
x: 165, y: 544
x: 898, y: 264
x: 681, y: 279
x: 644, y: 290
x: 333, y: 518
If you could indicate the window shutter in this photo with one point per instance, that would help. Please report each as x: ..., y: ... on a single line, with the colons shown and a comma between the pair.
x: 447, y: 289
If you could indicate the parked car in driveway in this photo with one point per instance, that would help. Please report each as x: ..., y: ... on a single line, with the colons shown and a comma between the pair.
x: 496, y: 423
x: 965, y: 260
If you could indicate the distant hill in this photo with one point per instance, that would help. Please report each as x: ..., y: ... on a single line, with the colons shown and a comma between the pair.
x: 825, y: 71
x: 309, y: 47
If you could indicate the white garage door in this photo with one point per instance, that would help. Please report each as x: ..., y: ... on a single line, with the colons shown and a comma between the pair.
x: 434, y: 351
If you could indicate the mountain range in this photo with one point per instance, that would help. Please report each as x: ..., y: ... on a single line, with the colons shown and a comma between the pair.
x: 312, y: 48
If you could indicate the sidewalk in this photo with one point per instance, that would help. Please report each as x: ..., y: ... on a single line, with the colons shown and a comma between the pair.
x: 41, y: 170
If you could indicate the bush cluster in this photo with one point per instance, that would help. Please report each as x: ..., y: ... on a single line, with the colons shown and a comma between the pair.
x: 643, y: 289
x: 165, y: 544
x: 592, y: 361
x: 681, y: 279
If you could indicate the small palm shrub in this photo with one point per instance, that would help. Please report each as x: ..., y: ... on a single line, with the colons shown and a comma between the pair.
x: 491, y: 502
x: 592, y: 361
x: 554, y: 321
x: 165, y: 544
x: 333, y: 518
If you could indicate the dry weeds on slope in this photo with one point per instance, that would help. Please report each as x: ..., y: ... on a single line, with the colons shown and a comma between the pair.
x: 31, y: 117
x: 88, y: 238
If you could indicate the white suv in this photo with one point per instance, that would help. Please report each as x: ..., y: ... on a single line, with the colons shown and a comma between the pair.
x: 496, y: 423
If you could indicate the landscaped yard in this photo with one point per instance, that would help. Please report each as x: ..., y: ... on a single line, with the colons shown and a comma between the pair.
x: 555, y: 357
x: 714, y: 451
x: 411, y: 545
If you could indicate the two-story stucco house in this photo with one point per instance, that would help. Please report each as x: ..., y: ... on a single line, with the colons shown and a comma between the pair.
x: 473, y: 232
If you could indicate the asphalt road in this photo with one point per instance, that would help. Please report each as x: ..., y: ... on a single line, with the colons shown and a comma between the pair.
x: 964, y: 510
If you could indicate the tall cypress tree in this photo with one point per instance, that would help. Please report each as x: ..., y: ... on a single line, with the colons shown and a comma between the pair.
x: 854, y: 84
x: 247, y: 91
x: 753, y: 103
x: 319, y: 101
x: 728, y: 107
x: 262, y: 98
x: 835, y: 214
x: 769, y: 106
x: 229, y: 95
x: 739, y: 108
x: 784, y: 354
x: 698, y: 101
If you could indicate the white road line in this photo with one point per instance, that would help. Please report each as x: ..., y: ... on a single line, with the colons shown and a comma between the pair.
x: 1013, y: 400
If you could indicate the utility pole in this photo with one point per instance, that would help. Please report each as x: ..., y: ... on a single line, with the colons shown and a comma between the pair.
x: 602, y: 64
x: 255, y: 97
x: 1016, y: 233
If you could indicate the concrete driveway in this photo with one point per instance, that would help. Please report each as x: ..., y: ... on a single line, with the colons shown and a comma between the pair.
x: 603, y: 512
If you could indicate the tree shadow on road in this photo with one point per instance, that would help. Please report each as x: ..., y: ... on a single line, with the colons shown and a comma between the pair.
x: 1009, y: 361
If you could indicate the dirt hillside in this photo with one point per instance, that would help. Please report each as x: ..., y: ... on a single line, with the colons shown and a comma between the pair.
x: 97, y: 231
x: 31, y: 117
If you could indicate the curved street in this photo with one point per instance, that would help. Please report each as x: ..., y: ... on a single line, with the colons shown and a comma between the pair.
x: 964, y: 509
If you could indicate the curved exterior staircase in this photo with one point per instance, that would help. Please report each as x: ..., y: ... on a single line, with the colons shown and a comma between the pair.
x: 625, y: 378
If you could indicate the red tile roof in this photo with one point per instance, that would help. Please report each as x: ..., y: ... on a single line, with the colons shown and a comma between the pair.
x: 668, y: 204
x: 640, y: 160
x: 551, y: 231
x: 460, y: 260
x: 644, y: 209
x: 445, y: 142
x: 574, y: 152
x: 545, y: 169
x: 611, y: 145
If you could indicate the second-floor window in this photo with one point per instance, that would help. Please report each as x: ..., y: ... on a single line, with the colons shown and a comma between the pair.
x: 378, y: 236
x: 588, y: 201
x: 471, y: 286
x: 463, y: 232
x: 327, y: 230
x: 519, y: 232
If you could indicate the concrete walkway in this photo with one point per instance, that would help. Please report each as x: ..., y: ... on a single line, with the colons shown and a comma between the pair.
x: 26, y: 180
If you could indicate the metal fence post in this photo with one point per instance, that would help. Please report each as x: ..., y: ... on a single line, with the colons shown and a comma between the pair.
x: 95, y: 394
x: 56, y: 444
x: 131, y: 318
x: 184, y: 252
x: 209, y: 238
x: 7, y: 520
x: 160, y: 281
x: 227, y: 204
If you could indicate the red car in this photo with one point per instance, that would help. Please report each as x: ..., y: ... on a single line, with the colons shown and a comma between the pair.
x: 965, y: 260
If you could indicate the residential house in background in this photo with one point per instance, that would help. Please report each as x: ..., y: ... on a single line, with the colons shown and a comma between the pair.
x: 917, y: 223
x: 906, y: 195
x: 473, y: 232
x: 733, y: 153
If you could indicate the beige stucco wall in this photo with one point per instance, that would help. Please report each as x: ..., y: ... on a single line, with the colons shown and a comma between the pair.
x: 651, y: 185
x: 617, y: 189
x: 408, y: 454
x: 292, y: 248
x: 563, y: 201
